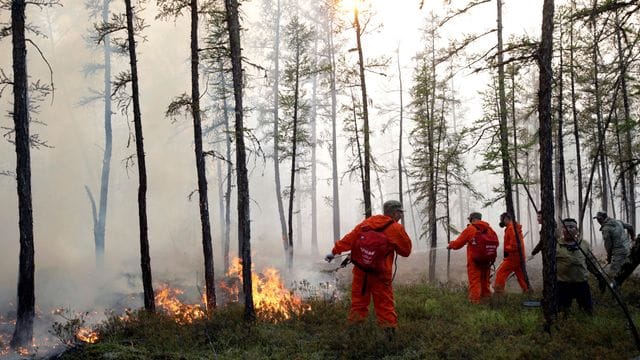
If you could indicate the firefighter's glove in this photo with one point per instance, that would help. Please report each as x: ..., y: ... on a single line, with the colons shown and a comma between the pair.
x: 329, y: 257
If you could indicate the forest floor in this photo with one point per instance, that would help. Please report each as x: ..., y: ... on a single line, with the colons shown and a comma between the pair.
x: 435, y: 322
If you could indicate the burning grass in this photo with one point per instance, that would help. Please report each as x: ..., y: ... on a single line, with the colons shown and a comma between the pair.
x: 272, y: 300
x: 435, y: 323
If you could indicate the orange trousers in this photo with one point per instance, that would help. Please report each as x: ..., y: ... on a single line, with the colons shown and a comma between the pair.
x: 510, y: 264
x: 478, y: 282
x: 382, y: 294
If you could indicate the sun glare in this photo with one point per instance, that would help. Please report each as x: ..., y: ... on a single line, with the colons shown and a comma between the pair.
x: 349, y: 6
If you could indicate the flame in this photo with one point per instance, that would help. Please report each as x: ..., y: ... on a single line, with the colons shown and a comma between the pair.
x: 272, y: 300
x: 87, y: 335
x: 167, y: 299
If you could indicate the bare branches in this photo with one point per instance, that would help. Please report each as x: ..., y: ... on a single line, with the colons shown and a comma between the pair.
x: 51, y: 89
x: 471, y: 5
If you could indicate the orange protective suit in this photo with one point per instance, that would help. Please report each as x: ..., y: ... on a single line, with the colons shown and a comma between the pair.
x: 513, y: 262
x: 478, y: 276
x: 377, y: 285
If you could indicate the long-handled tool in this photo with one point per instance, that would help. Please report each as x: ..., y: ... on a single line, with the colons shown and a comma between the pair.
x: 603, y: 277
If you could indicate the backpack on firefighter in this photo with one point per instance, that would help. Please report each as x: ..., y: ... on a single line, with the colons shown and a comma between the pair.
x: 371, y: 248
x: 484, y: 248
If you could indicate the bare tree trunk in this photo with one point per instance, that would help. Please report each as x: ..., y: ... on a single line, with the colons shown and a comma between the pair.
x: 145, y: 259
x: 244, y: 224
x: 628, y: 166
x: 314, y: 140
x: 226, y: 242
x: 207, y: 248
x: 334, y: 141
x: 514, y: 130
x: 276, y: 131
x: 366, y: 187
x: 559, y: 153
x: 99, y: 231
x: 574, y: 111
x: 598, y: 104
x: 400, y: 137
x: 23, y: 332
x: 504, y: 140
x: 549, y: 304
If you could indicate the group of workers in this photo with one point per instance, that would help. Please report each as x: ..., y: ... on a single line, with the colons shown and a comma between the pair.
x: 574, y: 261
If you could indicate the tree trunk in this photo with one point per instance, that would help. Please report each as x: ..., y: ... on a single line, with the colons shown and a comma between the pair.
x: 514, y: 130
x: 314, y: 139
x: 99, y: 232
x: 226, y: 242
x: 23, y: 332
x: 598, y: 104
x: 292, y: 187
x: 504, y: 140
x: 366, y: 188
x: 244, y: 224
x: 400, y: 137
x: 145, y: 259
x: 574, y: 112
x: 549, y: 305
x: 559, y: 153
x: 628, y: 165
x: 207, y: 248
x: 334, y: 141
x: 276, y: 132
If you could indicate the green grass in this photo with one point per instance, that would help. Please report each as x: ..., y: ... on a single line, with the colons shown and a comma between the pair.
x: 436, y: 322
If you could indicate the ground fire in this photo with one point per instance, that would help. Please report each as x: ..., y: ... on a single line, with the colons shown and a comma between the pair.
x: 87, y: 335
x: 167, y: 300
x: 272, y: 300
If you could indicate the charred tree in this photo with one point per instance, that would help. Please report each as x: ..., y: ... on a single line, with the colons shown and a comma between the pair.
x: 244, y: 224
x: 203, y: 203
x: 23, y: 332
x: 145, y: 259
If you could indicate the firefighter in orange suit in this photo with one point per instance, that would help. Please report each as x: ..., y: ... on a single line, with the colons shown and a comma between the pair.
x: 378, y: 285
x: 513, y: 255
x: 478, y: 275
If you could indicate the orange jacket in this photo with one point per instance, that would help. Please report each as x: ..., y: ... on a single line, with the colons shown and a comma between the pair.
x: 394, y: 232
x: 510, y: 244
x: 468, y: 234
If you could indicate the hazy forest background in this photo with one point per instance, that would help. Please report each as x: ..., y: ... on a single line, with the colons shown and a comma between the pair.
x: 450, y: 119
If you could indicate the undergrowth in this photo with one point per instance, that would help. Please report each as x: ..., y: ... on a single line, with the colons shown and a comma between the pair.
x: 435, y: 322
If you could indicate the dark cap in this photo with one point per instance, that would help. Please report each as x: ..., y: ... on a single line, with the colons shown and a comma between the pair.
x: 475, y: 215
x: 569, y: 220
x: 391, y: 206
x: 601, y: 215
